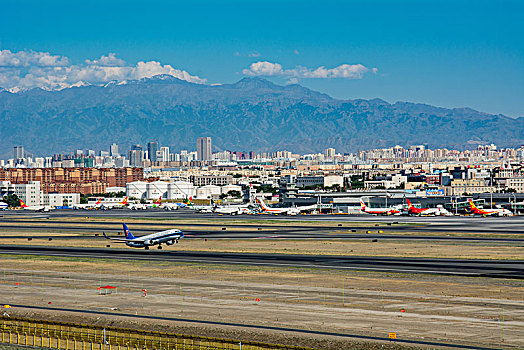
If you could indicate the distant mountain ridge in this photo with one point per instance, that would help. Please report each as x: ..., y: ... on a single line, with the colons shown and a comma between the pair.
x: 251, y: 114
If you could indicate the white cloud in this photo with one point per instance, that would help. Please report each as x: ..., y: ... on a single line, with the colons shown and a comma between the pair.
x: 264, y: 68
x: 28, y: 69
x: 107, y: 61
x: 31, y: 58
x: 253, y: 54
x: 345, y: 71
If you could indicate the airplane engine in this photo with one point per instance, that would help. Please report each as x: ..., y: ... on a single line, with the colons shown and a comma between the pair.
x: 170, y: 242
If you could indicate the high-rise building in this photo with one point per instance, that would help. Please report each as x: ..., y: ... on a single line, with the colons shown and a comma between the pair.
x: 18, y: 152
x: 136, y: 155
x: 113, y: 150
x: 204, y: 148
x: 164, y: 152
x: 152, y: 148
x: 329, y: 152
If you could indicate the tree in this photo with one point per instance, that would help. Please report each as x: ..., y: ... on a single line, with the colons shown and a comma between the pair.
x: 83, y: 199
x: 12, y: 200
x: 234, y: 194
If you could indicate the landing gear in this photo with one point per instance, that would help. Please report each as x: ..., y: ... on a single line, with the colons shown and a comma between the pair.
x: 146, y: 248
x: 159, y: 247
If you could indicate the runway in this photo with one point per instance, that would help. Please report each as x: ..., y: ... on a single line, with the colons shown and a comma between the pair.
x: 233, y: 230
x: 454, y: 224
x: 456, y: 267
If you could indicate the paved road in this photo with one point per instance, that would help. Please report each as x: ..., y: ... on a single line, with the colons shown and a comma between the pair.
x: 471, y: 224
x: 459, y: 267
x: 283, y: 232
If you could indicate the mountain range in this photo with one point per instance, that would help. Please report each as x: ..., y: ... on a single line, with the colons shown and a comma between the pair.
x: 252, y: 114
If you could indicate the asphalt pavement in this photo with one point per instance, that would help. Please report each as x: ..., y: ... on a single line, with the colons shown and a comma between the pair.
x: 456, y: 267
x: 453, y: 224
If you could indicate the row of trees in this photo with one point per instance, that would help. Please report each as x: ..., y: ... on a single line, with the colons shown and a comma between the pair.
x: 12, y: 200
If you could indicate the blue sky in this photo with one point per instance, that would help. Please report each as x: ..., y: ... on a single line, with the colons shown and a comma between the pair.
x: 445, y: 53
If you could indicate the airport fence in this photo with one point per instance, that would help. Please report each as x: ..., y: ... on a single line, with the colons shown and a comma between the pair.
x: 73, y: 336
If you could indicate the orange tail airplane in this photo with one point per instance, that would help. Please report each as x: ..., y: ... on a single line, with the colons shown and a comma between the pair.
x: 486, y: 212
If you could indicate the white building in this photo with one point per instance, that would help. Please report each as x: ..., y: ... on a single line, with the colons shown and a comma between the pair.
x: 157, y: 189
x: 30, y: 193
x: 137, y: 189
x: 515, y: 183
x: 208, y: 192
x: 61, y: 199
x: 331, y: 180
x: 225, y: 189
x: 181, y: 190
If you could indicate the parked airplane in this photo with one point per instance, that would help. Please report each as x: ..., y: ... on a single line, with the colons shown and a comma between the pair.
x: 177, y: 205
x: 35, y: 207
x: 486, y: 212
x: 4, y: 206
x: 169, y: 237
x: 89, y: 206
x: 438, y: 211
x: 269, y: 210
x: 113, y: 205
x: 378, y: 211
x: 232, y: 209
x: 201, y: 208
x: 144, y: 206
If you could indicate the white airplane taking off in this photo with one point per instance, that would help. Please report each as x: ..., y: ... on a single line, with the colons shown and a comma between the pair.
x: 168, y: 237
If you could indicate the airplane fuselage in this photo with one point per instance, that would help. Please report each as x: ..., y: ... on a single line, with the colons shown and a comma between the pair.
x: 168, y: 237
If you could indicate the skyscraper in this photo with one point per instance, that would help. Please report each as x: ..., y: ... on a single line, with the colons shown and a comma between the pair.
x: 164, y: 151
x: 18, y: 152
x: 152, y: 148
x: 136, y: 155
x: 204, y: 148
x: 113, y: 150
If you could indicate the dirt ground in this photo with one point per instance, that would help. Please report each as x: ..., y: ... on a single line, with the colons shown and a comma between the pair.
x: 487, y: 312
x: 444, y: 309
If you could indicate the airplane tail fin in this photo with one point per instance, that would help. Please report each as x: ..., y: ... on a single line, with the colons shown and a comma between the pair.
x: 124, y: 202
x: 99, y: 201
x: 128, y: 233
x: 472, y: 205
x: 261, y: 202
x: 158, y: 201
x: 22, y: 204
x: 409, y: 204
x: 362, y: 205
